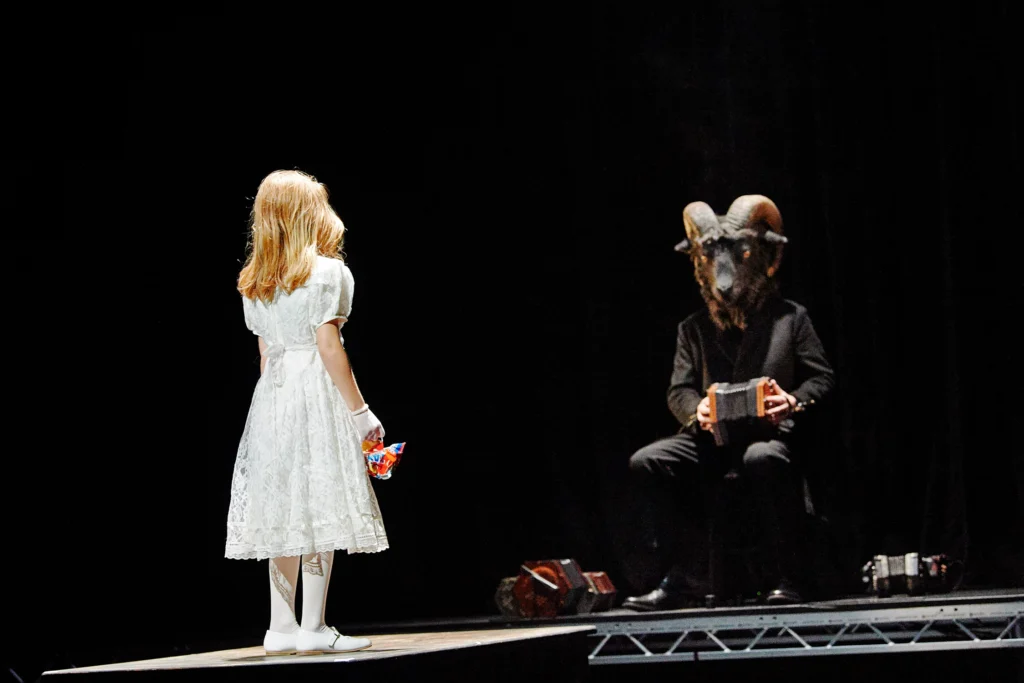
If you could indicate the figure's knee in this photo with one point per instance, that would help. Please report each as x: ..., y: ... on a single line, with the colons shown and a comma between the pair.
x: 667, y: 458
x: 644, y: 462
x: 762, y: 455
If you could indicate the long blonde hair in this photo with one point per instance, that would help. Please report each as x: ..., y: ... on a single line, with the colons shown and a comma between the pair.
x: 292, y: 223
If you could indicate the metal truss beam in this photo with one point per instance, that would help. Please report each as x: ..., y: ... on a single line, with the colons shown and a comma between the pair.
x: 808, y: 633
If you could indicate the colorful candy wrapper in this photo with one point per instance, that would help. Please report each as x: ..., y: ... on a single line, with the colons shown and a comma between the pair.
x: 381, y: 460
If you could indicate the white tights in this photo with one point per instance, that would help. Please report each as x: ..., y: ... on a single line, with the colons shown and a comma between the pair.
x: 284, y: 574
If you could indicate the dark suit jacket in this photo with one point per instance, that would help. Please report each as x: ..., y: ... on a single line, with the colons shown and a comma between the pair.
x: 779, y: 343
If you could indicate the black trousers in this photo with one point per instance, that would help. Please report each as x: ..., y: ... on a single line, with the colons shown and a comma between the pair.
x: 681, y: 478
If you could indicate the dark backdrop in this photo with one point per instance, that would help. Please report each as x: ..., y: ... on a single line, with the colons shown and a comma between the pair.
x: 512, y: 182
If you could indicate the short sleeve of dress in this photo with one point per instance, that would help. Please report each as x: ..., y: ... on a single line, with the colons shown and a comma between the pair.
x: 250, y: 313
x: 334, y: 299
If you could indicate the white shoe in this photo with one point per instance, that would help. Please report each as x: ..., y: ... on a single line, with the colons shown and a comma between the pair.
x: 328, y: 640
x: 275, y: 643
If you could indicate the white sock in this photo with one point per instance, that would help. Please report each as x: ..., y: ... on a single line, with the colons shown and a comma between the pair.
x: 284, y: 576
x: 316, y: 575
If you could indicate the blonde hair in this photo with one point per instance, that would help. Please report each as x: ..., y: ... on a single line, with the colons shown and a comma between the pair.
x: 292, y: 223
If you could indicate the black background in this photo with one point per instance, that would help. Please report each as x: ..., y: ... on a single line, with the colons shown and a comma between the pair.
x: 511, y: 180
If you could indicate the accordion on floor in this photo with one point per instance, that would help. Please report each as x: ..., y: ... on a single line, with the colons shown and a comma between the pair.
x: 912, y: 573
x: 548, y: 588
x: 736, y: 405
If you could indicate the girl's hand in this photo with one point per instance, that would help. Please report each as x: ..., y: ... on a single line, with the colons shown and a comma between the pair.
x: 368, y: 427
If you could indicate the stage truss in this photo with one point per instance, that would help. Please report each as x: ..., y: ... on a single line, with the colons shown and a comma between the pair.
x: 809, y: 633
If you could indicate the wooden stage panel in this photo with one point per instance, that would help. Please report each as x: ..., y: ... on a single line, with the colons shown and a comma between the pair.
x: 493, y: 654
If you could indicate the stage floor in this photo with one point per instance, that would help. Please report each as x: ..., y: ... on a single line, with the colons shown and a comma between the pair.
x: 490, y: 653
x: 845, y: 603
x: 852, y: 625
x: 501, y: 648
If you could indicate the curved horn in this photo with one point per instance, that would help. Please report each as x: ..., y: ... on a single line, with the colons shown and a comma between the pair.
x: 758, y: 213
x: 698, y: 219
x: 753, y: 210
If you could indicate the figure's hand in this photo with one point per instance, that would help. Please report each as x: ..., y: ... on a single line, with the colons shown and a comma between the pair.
x: 704, y: 414
x: 368, y: 427
x: 778, y: 404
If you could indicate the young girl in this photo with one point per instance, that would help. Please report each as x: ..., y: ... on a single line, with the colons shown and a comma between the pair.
x: 300, y: 489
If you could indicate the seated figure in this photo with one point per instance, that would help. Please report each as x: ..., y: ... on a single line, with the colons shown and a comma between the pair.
x: 747, y: 331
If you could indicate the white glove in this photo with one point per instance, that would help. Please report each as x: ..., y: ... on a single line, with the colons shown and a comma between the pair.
x: 368, y: 427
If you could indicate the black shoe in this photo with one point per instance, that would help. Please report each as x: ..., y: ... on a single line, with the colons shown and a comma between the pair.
x: 785, y: 594
x: 657, y: 599
x: 665, y: 597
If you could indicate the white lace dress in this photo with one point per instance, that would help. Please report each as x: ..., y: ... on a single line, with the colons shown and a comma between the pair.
x: 300, y: 483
